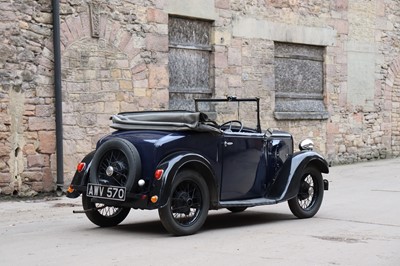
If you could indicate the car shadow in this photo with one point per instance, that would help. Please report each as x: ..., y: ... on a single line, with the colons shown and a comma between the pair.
x: 243, y: 219
x: 215, y: 221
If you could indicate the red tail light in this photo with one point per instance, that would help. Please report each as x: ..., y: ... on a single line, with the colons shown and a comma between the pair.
x: 81, y: 167
x: 158, y: 174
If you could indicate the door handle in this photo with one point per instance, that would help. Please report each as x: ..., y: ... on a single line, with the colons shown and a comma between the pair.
x: 227, y: 143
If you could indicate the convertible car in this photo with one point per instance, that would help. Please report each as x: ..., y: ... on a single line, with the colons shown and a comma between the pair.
x: 184, y: 164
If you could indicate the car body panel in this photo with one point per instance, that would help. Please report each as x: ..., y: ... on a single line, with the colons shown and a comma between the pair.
x: 242, y: 177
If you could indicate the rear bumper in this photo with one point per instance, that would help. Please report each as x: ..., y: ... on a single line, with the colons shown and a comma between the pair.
x: 133, y: 200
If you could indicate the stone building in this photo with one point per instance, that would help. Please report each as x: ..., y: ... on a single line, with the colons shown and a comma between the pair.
x: 329, y: 70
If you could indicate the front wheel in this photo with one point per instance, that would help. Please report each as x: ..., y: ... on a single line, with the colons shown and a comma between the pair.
x: 102, y: 215
x: 311, y: 192
x: 188, y: 204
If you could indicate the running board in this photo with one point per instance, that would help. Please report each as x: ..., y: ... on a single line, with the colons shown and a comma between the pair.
x: 246, y: 203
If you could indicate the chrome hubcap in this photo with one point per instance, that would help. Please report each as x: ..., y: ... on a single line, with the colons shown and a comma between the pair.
x: 109, y: 171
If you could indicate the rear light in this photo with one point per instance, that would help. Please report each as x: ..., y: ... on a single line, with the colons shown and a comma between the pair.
x: 158, y: 174
x: 154, y: 199
x: 70, y: 189
x: 81, y: 167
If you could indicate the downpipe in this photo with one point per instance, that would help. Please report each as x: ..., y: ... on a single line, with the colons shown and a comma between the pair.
x: 58, y: 96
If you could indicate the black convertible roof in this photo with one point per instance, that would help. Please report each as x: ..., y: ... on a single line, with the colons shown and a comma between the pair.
x: 162, y: 120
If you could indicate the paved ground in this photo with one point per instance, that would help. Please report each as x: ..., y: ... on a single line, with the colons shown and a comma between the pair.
x: 358, y: 224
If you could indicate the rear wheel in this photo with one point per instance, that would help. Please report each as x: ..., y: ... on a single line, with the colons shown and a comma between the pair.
x: 311, y: 192
x: 102, y: 215
x: 188, y: 204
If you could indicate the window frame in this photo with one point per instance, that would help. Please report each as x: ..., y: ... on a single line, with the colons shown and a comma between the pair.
x: 316, y: 97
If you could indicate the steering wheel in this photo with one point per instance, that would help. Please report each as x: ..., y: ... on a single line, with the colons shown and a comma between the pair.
x: 230, y: 125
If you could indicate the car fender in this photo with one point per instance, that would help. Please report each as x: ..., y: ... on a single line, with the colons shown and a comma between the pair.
x: 288, y: 178
x: 80, y: 179
x: 176, y: 162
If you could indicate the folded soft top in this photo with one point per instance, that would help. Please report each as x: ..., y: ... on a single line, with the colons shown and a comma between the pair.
x: 162, y: 120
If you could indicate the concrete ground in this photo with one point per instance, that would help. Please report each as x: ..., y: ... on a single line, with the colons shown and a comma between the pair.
x: 358, y: 224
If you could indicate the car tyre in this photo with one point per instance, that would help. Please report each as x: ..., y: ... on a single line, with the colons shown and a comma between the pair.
x: 311, y: 192
x: 122, y: 158
x: 101, y: 215
x: 188, y: 204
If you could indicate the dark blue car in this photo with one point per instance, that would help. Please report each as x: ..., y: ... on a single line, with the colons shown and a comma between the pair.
x: 184, y: 164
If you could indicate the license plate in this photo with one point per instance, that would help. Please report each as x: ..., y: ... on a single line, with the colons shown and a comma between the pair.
x: 106, y: 192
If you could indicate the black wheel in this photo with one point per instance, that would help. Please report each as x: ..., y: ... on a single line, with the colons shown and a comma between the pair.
x: 237, y: 209
x: 230, y: 125
x: 307, y: 203
x: 116, y: 163
x: 188, y: 204
x: 102, y: 215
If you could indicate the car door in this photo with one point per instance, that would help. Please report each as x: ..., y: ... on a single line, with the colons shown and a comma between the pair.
x: 243, y: 166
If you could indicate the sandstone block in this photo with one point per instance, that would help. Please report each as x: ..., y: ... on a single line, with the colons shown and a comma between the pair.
x: 221, y: 60
x: 116, y: 73
x: 223, y: 4
x: 47, y: 142
x: 140, y: 92
x: 158, y: 43
x: 38, y: 160
x: 234, y: 56
x: 125, y: 85
x: 32, y: 176
x: 156, y: 15
x: 48, y: 180
x: 158, y: 76
x: 41, y: 123
x: 5, y: 178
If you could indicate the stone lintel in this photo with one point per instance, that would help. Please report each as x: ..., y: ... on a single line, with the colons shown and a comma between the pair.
x: 204, y: 9
x: 263, y: 29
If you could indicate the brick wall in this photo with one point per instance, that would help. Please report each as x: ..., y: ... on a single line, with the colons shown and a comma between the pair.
x: 115, y: 58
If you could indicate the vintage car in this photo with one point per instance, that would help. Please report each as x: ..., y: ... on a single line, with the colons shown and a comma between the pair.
x: 184, y: 164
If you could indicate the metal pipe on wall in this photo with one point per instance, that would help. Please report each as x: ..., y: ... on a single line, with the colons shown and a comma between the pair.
x: 58, y: 94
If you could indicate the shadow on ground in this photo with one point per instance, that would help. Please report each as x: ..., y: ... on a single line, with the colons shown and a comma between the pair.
x: 215, y: 221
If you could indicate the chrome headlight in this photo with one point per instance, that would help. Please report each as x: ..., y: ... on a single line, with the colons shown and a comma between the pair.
x: 306, y: 144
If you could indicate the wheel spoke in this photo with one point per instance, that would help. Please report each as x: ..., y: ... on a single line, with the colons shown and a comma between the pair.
x: 186, y: 203
x: 307, y: 195
x: 119, y: 162
x: 107, y: 211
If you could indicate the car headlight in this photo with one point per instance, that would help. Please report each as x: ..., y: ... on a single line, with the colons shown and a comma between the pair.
x: 306, y: 144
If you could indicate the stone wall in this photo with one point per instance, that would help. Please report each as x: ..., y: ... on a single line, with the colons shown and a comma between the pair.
x: 115, y: 58
x: 26, y: 98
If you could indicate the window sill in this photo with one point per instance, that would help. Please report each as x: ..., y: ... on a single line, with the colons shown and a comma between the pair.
x: 301, y: 115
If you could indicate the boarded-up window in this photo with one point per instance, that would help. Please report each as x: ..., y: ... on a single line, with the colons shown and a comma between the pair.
x: 189, y: 61
x: 299, y: 81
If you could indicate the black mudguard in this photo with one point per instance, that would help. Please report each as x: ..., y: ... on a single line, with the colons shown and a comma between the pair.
x: 171, y: 167
x: 80, y: 179
x: 287, y: 182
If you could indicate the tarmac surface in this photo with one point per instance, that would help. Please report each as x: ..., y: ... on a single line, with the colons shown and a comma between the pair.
x: 358, y: 224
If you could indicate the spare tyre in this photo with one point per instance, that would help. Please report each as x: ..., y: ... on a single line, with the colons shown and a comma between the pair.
x: 116, y: 163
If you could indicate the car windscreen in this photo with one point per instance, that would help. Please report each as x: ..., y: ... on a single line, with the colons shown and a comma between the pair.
x: 223, y: 110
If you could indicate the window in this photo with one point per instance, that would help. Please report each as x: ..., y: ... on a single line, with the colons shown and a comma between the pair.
x: 299, y: 82
x: 189, y: 61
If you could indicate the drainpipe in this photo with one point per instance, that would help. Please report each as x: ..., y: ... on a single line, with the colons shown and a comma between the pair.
x: 58, y: 95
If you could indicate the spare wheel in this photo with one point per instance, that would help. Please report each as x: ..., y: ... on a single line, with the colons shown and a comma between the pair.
x: 116, y: 163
